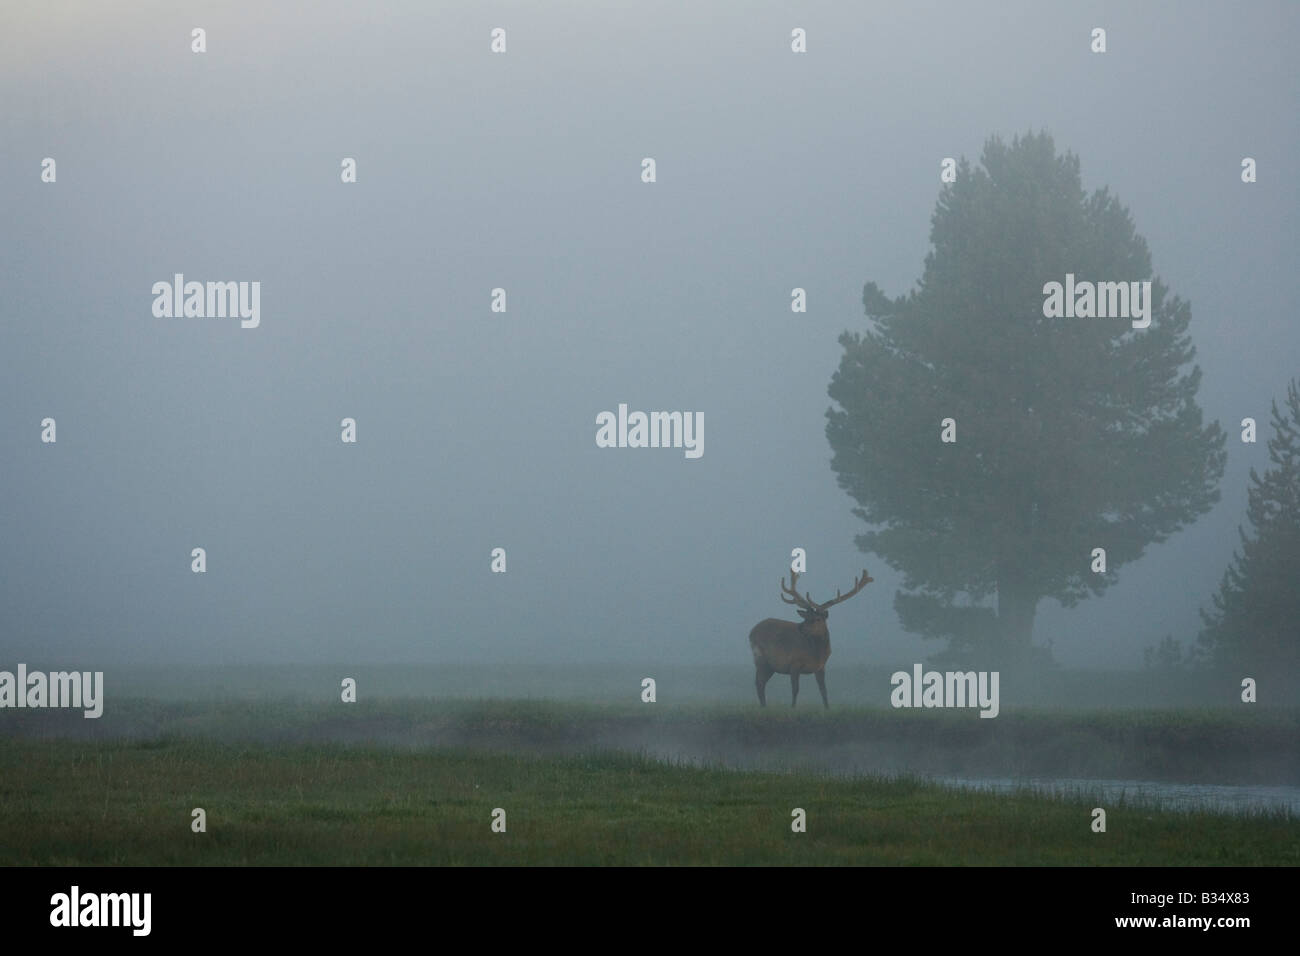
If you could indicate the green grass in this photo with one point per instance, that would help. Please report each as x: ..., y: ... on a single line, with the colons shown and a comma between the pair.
x: 414, y: 781
x: 116, y: 802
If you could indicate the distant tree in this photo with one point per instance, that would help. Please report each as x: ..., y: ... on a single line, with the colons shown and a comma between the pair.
x: 1168, y: 655
x: 1255, y: 623
x: 1072, y: 433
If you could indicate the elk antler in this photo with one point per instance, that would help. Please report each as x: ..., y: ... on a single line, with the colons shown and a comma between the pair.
x: 858, y: 585
x: 805, y: 602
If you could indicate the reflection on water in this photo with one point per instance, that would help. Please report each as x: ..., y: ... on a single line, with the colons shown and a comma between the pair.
x: 1172, y: 796
x: 1209, y: 797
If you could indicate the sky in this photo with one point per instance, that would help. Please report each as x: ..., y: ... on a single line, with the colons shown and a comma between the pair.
x: 476, y: 429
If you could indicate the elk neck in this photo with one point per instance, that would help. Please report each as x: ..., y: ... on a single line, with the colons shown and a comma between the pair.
x: 825, y: 634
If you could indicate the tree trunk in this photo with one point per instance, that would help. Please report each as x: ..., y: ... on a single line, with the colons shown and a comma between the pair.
x: 1016, y: 607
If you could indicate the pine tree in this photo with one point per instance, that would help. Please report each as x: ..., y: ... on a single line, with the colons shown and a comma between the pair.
x: 1072, y: 433
x: 1255, y: 624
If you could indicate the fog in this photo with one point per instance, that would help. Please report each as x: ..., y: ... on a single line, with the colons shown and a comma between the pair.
x: 476, y: 429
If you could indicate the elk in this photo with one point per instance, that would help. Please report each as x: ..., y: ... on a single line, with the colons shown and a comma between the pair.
x: 786, y: 647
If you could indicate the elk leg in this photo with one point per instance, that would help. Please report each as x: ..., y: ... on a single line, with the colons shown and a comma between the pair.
x: 794, y: 687
x: 761, y: 676
x: 821, y: 686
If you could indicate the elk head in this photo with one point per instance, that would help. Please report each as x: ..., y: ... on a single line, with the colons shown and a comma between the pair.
x: 784, y: 647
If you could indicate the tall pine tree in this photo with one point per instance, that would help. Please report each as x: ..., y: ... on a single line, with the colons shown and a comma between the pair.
x: 1072, y: 433
x: 1255, y: 624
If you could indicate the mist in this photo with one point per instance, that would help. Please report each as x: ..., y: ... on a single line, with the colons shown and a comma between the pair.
x: 476, y: 429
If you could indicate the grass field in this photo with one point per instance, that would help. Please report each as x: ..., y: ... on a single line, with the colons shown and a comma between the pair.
x: 130, y: 804
x: 413, y: 782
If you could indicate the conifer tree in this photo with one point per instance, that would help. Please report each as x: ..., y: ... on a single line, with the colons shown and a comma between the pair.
x: 1255, y: 623
x: 1071, y: 433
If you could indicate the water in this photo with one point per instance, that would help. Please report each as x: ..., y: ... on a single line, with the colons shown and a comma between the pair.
x: 1157, y: 794
x: 1219, y: 798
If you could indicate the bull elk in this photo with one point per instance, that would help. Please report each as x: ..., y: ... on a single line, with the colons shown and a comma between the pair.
x: 786, y: 647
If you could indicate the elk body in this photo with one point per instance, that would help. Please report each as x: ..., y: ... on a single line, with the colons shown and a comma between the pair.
x: 794, y: 648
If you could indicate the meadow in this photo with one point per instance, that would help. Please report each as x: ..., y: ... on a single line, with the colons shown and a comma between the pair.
x: 415, y: 781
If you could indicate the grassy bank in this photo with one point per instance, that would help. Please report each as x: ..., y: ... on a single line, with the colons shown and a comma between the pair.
x: 118, y: 802
x: 851, y: 685
x: 1234, y: 746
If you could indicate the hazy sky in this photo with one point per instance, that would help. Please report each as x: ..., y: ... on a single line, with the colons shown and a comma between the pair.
x: 477, y: 430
